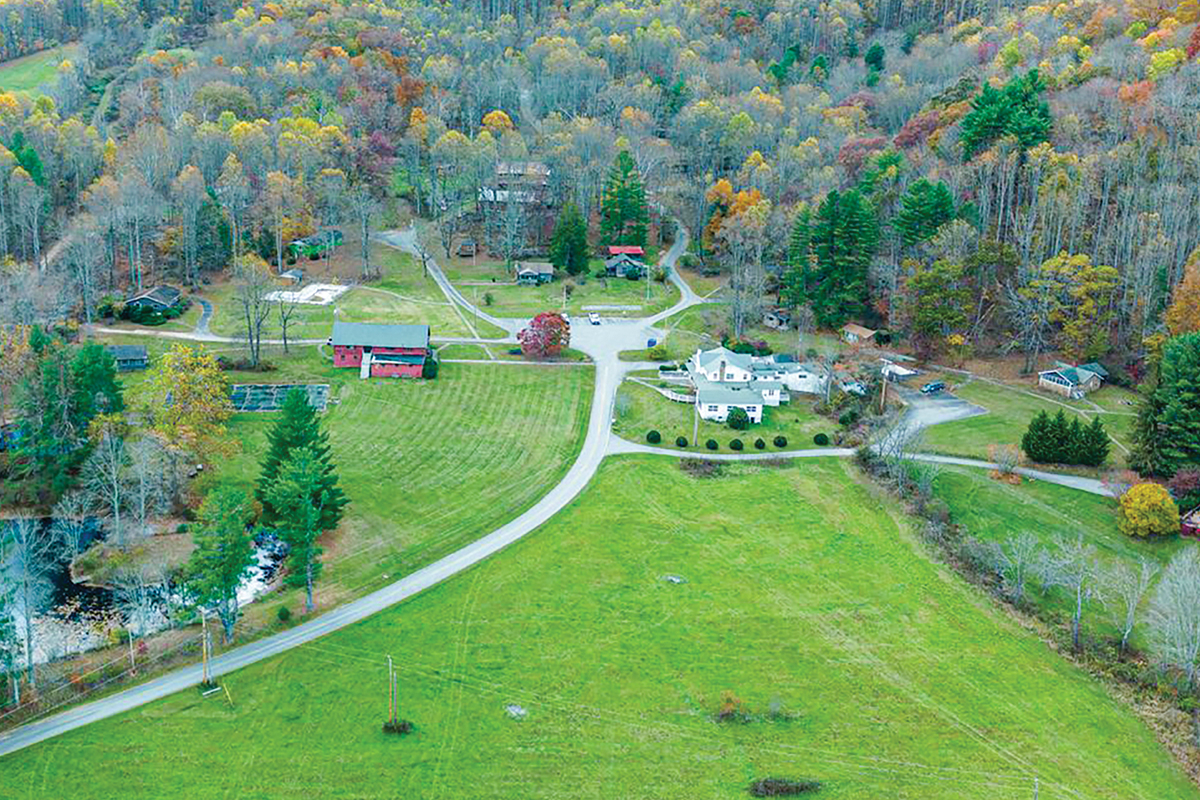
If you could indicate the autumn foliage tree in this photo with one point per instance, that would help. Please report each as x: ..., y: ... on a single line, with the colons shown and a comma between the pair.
x: 189, y: 397
x: 1183, y: 315
x: 548, y: 335
x: 1148, y: 510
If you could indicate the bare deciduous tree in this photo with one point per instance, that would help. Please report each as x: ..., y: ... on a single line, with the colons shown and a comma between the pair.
x: 29, y: 555
x: 104, y: 479
x: 251, y: 287
x: 1174, y: 617
x: 70, y: 524
x: 1129, y: 584
x: 146, y: 492
x: 1072, y: 565
x: 1020, y: 555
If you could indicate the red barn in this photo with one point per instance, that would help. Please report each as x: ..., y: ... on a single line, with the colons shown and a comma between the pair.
x: 381, y: 351
x: 626, y: 249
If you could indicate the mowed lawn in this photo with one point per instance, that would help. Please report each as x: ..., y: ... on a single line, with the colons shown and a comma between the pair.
x: 640, y: 298
x: 428, y: 465
x: 27, y: 73
x: 1009, y: 413
x: 640, y: 409
x: 861, y: 664
x: 403, y: 296
x: 994, y: 511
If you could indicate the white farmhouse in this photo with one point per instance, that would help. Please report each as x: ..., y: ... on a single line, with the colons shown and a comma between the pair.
x: 714, y: 400
x: 721, y: 365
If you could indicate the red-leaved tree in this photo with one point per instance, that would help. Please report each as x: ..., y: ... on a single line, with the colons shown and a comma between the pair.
x: 547, y: 335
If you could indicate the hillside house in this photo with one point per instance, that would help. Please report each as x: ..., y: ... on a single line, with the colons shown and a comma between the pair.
x: 622, y: 265
x: 857, y: 334
x: 764, y: 372
x: 715, y: 400
x: 1073, y: 382
x: 721, y: 365
x: 156, y: 298
x: 129, y: 357
x: 467, y: 248
x: 534, y: 273
x: 526, y: 183
x: 381, y: 351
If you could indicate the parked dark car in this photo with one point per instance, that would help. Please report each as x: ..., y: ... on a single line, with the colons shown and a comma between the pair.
x: 933, y: 388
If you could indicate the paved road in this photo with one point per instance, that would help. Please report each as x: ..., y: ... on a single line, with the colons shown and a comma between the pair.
x: 206, y: 312
x: 601, y: 342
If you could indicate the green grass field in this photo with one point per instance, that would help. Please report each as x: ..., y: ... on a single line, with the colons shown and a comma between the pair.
x: 27, y: 73
x: 403, y: 296
x: 861, y: 663
x: 428, y: 465
x: 993, y: 511
x: 1009, y: 413
x: 511, y: 300
x: 648, y: 409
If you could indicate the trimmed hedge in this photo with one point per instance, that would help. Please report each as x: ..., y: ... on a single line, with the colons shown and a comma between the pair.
x: 681, y: 441
x: 759, y: 444
x: 736, y: 444
x: 653, y: 437
x: 781, y: 441
x: 711, y: 444
x: 821, y: 439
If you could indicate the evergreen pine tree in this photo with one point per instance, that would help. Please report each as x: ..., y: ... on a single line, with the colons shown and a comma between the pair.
x: 298, y: 426
x: 1148, y: 456
x: 797, y: 278
x: 94, y: 383
x: 1073, y: 450
x: 1037, y: 437
x: 624, y: 215
x: 1178, y: 392
x: 1094, y: 445
x: 1058, y: 439
x: 925, y: 207
x: 568, y: 245
x: 845, y: 234
x: 1016, y: 110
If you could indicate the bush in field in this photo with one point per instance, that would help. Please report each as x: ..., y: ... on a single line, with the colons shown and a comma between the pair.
x: 681, y: 441
x: 738, y: 419
x: 1185, y: 488
x: 653, y: 437
x: 759, y: 444
x: 1148, y: 510
x: 736, y: 444
x: 821, y: 439
x: 780, y: 441
x: 711, y: 444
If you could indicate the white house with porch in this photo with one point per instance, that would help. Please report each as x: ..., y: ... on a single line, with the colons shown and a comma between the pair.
x: 714, y: 400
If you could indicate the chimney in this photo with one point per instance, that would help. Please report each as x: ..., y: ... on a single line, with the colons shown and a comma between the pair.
x: 721, y: 373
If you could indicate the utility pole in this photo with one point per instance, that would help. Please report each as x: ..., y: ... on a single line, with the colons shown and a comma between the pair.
x: 391, y: 692
x: 132, y: 663
x: 696, y: 420
x: 1035, y: 789
x: 204, y: 644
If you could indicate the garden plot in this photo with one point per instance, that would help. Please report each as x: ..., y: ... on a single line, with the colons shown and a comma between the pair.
x: 270, y: 396
x: 315, y: 294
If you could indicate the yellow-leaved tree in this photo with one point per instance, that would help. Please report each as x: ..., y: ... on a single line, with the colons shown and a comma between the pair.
x: 189, y: 399
x: 1148, y: 510
x: 1183, y: 316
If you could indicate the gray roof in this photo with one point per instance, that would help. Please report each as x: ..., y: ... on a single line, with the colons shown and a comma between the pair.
x: 537, y: 267
x: 365, y: 334
x: 710, y: 358
x: 162, y: 295
x: 127, y: 352
x: 712, y: 392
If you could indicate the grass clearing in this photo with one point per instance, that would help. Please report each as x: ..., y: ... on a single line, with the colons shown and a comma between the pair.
x: 993, y: 511
x: 1009, y: 413
x: 888, y: 675
x: 445, y: 452
x: 27, y: 73
x: 644, y: 297
x: 647, y: 409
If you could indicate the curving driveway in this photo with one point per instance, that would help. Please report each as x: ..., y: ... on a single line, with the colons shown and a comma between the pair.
x: 603, y: 343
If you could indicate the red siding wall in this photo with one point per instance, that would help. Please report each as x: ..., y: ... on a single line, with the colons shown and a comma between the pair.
x: 384, y: 370
x: 344, y: 356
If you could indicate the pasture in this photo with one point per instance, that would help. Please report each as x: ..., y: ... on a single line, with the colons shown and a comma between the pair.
x: 27, y: 73
x: 1010, y: 409
x: 571, y: 665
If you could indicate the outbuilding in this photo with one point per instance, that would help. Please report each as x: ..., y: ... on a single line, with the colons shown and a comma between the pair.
x: 381, y: 351
x: 534, y: 273
x: 129, y: 357
x: 1071, y: 381
x: 156, y: 298
x: 857, y: 334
